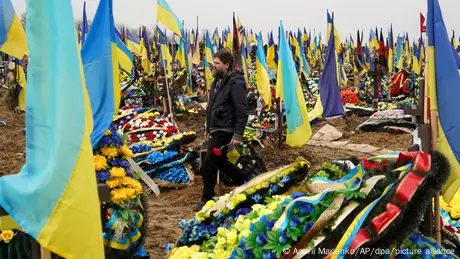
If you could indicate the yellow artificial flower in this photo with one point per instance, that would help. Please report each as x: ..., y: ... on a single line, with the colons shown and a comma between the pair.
x: 107, y: 133
x: 109, y: 152
x: 220, y: 242
x: 244, y: 233
x: 117, y: 172
x: 100, y: 162
x: 113, y: 183
x: 221, y: 254
x: 232, y: 237
x: 221, y: 232
x: 265, y: 184
x: 183, y: 252
x: 208, y: 205
x: 6, y: 236
x: 201, y: 216
x: 126, y: 151
x: 200, y: 255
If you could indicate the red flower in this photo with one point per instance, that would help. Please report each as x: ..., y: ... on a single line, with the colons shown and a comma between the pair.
x: 135, y: 128
x: 127, y: 126
x: 143, y: 119
x: 266, y: 125
x: 134, y: 138
x: 151, y: 123
x: 217, y: 152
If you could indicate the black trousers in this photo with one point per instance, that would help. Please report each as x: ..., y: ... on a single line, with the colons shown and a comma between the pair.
x: 213, y: 163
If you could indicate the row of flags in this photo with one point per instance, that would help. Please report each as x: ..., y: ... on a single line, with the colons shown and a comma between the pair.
x: 66, y: 84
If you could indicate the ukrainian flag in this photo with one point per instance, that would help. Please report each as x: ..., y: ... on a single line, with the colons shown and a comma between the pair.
x: 208, y: 61
x: 101, y: 53
x: 12, y: 36
x: 271, y: 54
x: 133, y: 43
x: 390, y: 50
x: 263, y: 80
x: 244, y: 63
x: 85, y: 27
x: 165, y: 56
x: 289, y: 90
x: 21, y: 80
x: 60, y: 205
x: 145, y: 52
x: 444, y: 90
x: 329, y: 103
x: 167, y: 17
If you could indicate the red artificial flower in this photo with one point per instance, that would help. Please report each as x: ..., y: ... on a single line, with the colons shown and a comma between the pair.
x: 151, y: 123
x: 143, y: 119
x: 134, y: 138
x: 135, y: 128
x: 127, y: 126
x: 217, y: 152
x: 266, y: 125
x: 366, y: 162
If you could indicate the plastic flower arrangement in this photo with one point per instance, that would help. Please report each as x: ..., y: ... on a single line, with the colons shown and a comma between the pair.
x: 349, y: 97
x: 176, y: 175
x: 6, y: 236
x: 453, y: 207
x: 255, y: 195
x: 328, y: 170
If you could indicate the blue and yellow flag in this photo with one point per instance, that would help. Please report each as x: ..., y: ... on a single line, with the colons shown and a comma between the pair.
x: 271, y: 55
x: 329, y: 103
x: 145, y: 52
x: 208, y: 61
x: 12, y: 36
x: 101, y: 53
x: 390, y: 50
x: 21, y: 81
x: 60, y: 206
x: 167, y: 17
x: 263, y: 80
x: 443, y: 86
x: 289, y: 90
x: 133, y: 43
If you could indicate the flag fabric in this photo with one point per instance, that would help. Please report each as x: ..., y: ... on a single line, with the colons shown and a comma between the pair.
x: 60, y: 206
x: 289, y: 90
x: 12, y: 35
x: 101, y: 56
x: 208, y: 60
x: 167, y: 17
x: 271, y: 54
x: 422, y: 23
x: 133, y: 43
x: 443, y: 82
x: 21, y: 81
x: 85, y: 27
x: 236, y: 46
x: 330, y: 102
x: 165, y: 55
x: 383, y: 60
x: 390, y: 50
x: 144, y: 50
x: 263, y: 80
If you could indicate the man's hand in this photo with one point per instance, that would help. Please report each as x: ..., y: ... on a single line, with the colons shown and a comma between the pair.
x: 206, y: 136
x: 235, y: 142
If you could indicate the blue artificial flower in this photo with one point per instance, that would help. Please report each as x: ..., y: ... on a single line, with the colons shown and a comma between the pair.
x: 295, y: 221
x: 263, y: 219
x: 105, y: 140
x: 283, y: 239
x: 256, y: 198
x: 168, y: 247
x: 285, y: 179
x: 345, y: 202
x: 212, y: 229
x: 269, y: 255
x: 233, y: 256
x: 307, y: 227
x: 270, y: 224
x: 251, y: 228
x: 247, y: 253
x: 296, y: 195
x: 261, y: 239
x: 103, y: 176
x: 274, y: 188
x: 305, y: 208
x: 242, y: 211
x: 115, y: 140
x: 220, y: 216
x: 142, y: 252
x: 242, y: 244
x: 203, y: 231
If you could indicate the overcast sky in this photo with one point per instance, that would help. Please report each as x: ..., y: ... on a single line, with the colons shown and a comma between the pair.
x: 265, y: 15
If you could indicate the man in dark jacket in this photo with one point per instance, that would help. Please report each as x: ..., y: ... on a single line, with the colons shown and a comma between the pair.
x: 227, y: 115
